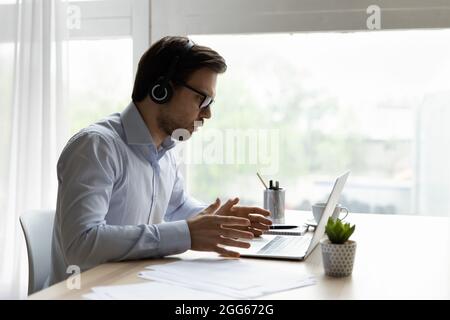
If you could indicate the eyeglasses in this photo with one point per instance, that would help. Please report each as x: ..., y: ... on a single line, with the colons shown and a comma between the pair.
x: 206, y: 101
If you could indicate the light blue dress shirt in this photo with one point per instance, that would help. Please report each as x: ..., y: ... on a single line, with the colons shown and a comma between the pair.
x: 119, y: 198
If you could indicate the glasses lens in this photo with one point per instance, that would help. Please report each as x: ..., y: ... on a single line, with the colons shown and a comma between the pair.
x: 206, y: 102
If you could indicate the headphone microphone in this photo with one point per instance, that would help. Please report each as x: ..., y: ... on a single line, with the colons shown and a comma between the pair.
x: 162, y: 91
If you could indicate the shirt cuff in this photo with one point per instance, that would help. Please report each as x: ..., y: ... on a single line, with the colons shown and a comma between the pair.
x: 174, y: 237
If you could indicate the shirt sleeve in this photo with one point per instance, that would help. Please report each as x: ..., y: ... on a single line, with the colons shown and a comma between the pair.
x: 181, y: 205
x: 87, y: 171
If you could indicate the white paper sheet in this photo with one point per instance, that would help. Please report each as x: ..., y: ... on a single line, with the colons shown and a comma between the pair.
x: 148, y: 290
x: 237, y: 278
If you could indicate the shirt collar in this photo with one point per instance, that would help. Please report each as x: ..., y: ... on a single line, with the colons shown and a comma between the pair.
x: 136, y: 130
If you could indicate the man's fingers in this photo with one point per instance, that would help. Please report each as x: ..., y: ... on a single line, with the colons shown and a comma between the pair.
x: 234, y: 243
x: 235, y: 233
x: 257, y: 231
x: 260, y: 226
x: 212, y: 207
x: 227, y: 253
x: 257, y: 221
x: 259, y: 218
x: 231, y: 220
x: 242, y: 211
x: 228, y: 205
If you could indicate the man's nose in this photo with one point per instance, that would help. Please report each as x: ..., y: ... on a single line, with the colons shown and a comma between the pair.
x: 205, y: 112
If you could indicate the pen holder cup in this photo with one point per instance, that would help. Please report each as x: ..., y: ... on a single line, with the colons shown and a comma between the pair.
x: 274, y: 202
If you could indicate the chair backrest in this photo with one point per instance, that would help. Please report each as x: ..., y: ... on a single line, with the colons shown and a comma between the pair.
x: 37, y: 227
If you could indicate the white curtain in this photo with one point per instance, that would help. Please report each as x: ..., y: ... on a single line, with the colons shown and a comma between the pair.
x: 35, y: 130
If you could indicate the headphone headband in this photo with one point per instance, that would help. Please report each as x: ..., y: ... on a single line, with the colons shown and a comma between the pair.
x: 161, y: 91
x: 187, y: 47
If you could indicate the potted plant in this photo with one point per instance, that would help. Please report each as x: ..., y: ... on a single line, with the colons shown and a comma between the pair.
x: 338, y: 253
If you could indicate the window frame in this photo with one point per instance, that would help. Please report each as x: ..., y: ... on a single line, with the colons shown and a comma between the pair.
x: 99, y: 20
x: 178, y: 17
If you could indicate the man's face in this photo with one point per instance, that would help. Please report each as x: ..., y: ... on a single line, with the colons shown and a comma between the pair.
x: 184, y: 108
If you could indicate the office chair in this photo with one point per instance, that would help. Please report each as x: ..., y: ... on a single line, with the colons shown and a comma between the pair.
x: 37, y: 226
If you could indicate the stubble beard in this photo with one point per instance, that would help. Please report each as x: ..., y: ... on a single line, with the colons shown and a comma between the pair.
x: 168, y: 125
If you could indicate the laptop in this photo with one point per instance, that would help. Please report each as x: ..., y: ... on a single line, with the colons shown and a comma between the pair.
x: 295, y: 247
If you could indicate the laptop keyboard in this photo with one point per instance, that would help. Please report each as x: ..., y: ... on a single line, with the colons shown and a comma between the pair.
x: 286, y: 245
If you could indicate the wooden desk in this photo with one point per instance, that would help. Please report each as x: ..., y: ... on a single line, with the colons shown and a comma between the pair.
x: 398, y: 257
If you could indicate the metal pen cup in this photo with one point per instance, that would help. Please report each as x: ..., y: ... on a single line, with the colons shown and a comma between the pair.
x: 274, y: 202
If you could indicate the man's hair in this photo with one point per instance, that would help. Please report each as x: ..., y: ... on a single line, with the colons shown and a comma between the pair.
x: 156, y: 61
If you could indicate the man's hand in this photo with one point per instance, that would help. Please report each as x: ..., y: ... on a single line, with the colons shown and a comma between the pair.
x: 209, y: 234
x: 256, y: 215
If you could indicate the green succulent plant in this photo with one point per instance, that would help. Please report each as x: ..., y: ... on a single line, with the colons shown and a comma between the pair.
x: 337, y: 231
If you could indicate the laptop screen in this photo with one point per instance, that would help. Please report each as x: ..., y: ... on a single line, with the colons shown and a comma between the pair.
x: 331, y: 205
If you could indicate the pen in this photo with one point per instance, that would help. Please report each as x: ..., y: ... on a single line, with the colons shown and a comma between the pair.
x: 282, y: 226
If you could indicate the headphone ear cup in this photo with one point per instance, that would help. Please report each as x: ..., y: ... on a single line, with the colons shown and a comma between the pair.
x: 161, y: 92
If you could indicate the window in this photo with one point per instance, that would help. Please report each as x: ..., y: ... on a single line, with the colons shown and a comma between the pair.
x: 104, y: 43
x: 101, y: 52
x: 100, y: 79
x: 321, y: 103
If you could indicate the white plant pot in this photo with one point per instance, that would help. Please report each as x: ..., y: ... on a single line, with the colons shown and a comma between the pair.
x: 338, y: 259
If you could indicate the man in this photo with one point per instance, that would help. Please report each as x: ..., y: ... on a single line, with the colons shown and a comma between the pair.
x: 120, y: 192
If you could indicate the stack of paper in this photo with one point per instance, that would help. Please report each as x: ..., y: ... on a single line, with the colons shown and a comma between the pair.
x: 235, y: 278
x: 213, y: 278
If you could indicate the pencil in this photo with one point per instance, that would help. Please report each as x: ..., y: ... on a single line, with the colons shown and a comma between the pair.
x: 261, y: 180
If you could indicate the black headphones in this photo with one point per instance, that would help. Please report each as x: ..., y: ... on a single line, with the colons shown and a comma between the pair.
x: 161, y: 91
